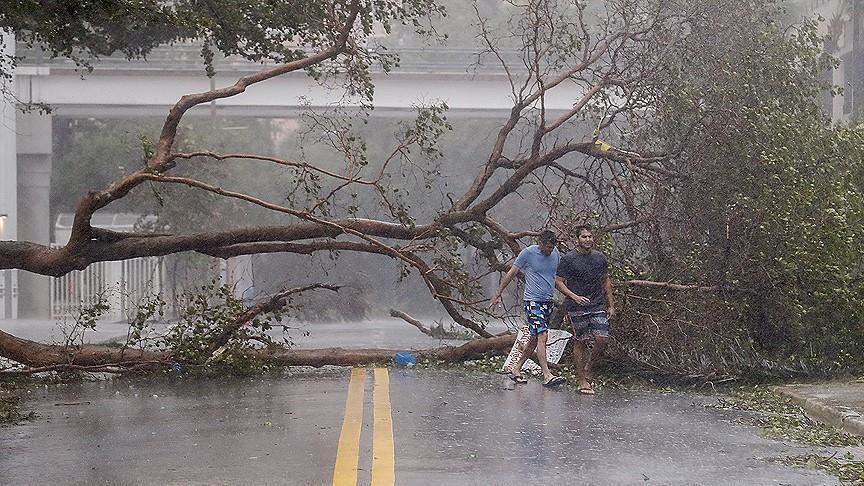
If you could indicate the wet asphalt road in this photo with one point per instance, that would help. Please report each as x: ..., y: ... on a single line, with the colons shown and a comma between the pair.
x: 449, y: 427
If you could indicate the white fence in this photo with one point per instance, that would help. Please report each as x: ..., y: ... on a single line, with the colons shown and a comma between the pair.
x: 121, y: 284
x: 8, y: 294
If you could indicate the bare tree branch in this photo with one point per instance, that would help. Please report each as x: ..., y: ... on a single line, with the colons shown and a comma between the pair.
x: 669, y: 285
x: 410, y: 320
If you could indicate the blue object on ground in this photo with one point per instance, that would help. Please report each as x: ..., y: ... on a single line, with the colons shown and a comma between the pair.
x: 405, y: 358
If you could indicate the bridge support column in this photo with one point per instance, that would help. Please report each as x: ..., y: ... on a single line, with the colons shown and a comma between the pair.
x: 34, y: 212
x: 8, y: 181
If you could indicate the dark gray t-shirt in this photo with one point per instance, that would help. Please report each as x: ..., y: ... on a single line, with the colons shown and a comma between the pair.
x: 583, y: 273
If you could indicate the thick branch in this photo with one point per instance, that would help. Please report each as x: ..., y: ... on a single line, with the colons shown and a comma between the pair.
x: 95, y: 357
x: 44, y: 260
x: 274, y: 303
x: 34, y: 354
x: 169, y: 130
x: 358, y: 357
x: 275, y: 160
x: 299, y: 248
x: 619, y: 226
x: 669, y: 285
x: 410, y: 320
x: 162, y: 161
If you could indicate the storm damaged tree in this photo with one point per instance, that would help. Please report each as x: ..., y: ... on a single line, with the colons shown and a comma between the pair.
x: 749, y: 247
x: 653, y: 132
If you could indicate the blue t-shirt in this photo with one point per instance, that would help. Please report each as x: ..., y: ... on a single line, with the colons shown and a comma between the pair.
x: 539, y: 270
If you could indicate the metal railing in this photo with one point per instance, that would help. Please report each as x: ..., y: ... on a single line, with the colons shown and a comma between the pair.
x: 122, y: 285
x: 185, y: 57
x: 8, y: 294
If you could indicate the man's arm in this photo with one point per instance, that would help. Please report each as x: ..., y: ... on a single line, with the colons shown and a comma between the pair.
x: 607, y: 289
x: 561, y: 285
x: 496, y: 299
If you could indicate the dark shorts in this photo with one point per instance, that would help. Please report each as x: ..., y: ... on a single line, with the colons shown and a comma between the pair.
x: 537, y: 313
x: 586, y: 326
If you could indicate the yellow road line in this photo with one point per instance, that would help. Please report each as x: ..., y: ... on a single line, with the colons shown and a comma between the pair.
x: 383, y: 460
x: 348, y: 453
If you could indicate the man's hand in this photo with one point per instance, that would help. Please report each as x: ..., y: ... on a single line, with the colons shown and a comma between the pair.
x: 504, y: 282
x: 580, y: 300
x: 612, y: 313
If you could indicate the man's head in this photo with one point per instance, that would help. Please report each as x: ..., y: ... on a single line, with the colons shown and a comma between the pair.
x: 546, y: 241
x: 584, y: 238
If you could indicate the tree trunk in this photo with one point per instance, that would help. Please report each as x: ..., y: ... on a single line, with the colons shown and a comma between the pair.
x: 410, y: 320
x: 46, y: 356
x: 39, y: 355
x: 358, y: 357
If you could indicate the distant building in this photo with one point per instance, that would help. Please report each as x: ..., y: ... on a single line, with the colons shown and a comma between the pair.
x: 844, y: 24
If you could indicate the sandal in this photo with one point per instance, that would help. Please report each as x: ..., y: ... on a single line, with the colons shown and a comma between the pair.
x: 586, y: 390
x: 518, y: 378
x: 554, y: 381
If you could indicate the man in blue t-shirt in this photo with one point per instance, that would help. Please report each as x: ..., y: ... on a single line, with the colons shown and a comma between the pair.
x: 538, y: 263
x: 583, y: 276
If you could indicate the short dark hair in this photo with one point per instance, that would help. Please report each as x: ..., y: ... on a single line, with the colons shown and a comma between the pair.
x: 547, y: 236
x: 583, y: 227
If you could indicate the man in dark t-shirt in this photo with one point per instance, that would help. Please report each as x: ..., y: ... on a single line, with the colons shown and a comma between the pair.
x: 583, y: 276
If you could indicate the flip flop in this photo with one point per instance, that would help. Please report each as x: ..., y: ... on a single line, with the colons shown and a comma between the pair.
x: 586, y: 390
x: 518, y: 378
x: 554, y: 381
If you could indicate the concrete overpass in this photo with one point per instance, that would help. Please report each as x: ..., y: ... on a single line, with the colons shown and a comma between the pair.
x: 135, y: 88
x: 121, y: 88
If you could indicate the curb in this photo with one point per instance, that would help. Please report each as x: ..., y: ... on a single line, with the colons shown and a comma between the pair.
x: 846, y: 420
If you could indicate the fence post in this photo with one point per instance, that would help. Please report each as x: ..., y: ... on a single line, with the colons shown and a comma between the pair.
x: 116, y: 287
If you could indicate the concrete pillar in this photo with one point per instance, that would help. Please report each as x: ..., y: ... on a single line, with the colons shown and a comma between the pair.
x: 8, y: 180
x: 34, y: 216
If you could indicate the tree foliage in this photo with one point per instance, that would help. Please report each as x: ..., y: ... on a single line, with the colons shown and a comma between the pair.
x: 277, y: 31
x: 769, y: 208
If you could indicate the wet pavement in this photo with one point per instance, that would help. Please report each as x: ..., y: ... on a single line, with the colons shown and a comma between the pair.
x: 448, y: 427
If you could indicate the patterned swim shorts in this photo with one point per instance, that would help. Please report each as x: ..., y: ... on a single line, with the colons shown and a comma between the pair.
x: 586, y: 326
x: 537, y: 314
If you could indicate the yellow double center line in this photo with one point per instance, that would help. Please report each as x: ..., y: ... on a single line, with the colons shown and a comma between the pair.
x: 383, y: 453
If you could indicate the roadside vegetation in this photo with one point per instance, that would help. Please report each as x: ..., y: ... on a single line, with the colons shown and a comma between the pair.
x: 12, y: 390
x: 781, y: 419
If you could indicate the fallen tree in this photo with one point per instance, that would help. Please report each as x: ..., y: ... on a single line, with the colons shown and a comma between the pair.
x: 95, y: 358
x: 698, y: 243
x: 39, y: 357
x: 356, y: 357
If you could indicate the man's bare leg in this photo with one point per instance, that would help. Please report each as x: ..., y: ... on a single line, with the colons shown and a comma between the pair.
x: 594, y: 356
x: 526, y: 352
x: 541, y: 356
x: 581, y: 358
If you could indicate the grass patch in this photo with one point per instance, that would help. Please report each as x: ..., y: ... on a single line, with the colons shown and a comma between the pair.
x: 782, y: 419
x: 846, y: 469
x: 10, y: 398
